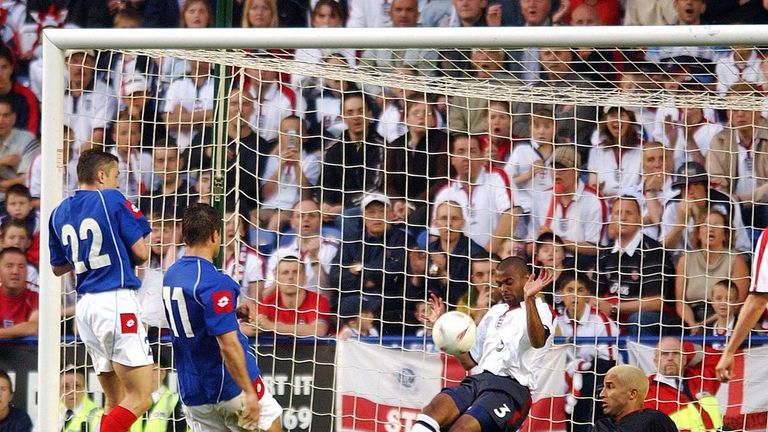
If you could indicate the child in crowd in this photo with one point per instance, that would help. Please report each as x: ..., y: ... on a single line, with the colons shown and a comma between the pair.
x: 498, y: 142
x: 724, y: 302
x: 15, y: 233
x: 526, y: 167
x: 587, y: 363
x: 358, y: 315
x: 18, y: 205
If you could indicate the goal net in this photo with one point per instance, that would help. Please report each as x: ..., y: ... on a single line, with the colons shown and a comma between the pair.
x: 358, y: 185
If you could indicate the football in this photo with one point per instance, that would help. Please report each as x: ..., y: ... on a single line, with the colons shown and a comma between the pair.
x: 454, y: 333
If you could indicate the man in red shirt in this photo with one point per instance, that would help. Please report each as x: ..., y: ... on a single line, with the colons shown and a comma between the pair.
x: 18, y: 304
x: 291, y: 308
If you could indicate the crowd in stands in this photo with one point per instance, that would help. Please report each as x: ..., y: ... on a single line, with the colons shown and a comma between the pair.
x: 357, y: 203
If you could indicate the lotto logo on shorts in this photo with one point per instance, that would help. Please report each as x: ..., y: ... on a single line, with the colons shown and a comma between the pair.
x: 222, y: 302
x: 132, y: 207
x: 258, y: 385
x: 129, y: 323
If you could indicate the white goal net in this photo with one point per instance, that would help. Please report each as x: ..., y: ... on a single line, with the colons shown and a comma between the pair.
x: 637, y: 173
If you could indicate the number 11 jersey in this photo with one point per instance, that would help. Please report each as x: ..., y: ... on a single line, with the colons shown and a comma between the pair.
x: 93, y: 231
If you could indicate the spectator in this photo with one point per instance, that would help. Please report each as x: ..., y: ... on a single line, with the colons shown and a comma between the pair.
x: 161, y: 14
x: 77, y: 411
x: 482, y: 294
x: 623, y: 396
x: 289, y: 175
x: 535, y: 13
x: 18, y: 205
x: 259, y: 14
x: 549, y: 253
x: 596, y: 65
x: 193, y: 14
x: 700, y: 269
x: 417, y: 162
x: 358, y: 314
x: 571, y: 209
x: 526, y: 166
x: 273, y: 101
x: 488, y: 207
x: 377, y: 264
x: 737, y: 160
x: 327, y: 120
x: 325, y: 14
x: 89, y: 103
x: 609, y: 11
x: 188, y: 103
x: 683, y: 210
x: 655, y: 187
x: 134, y: 164
x: 68, y: 175
x: 741, y: 64
x: 688, y: 135
x: 172, y: 191
x: 448, y: 266
x: 632, y: 276
x: 689, y: 12
x: 18, y: 304
x: 316, y: 249
x: 141, y: 106
x: 587, y: 364
x: 370, y: 13
x: 241, y: 262
x: 498, y: 142
x: 677, y: 388
x: 17, y: 149
x: 166, y: 414
x: 291, y: 308
x: 402, y: 13
x: 469, y: 114
x: 353, y: 165
x: 23, y: 101
x: 615, y: 164
x: 649, y: 12
x: 724, y: 302
x: 15, y: 234
x: 741, y: 12
x: 391, y: 122
x: 245, y: 150
x: 12, y: 419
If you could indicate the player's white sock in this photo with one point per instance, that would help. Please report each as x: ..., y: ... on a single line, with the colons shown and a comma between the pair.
x: 425, y: 423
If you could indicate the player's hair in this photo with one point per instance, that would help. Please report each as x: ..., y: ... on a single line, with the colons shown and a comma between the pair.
x: 13, y: 223
x: 199, y: 223
x: 18, y: 190
x: 12, y: 250
x: 4, y: 375
x: 516, y: 263
x: 91, y: 162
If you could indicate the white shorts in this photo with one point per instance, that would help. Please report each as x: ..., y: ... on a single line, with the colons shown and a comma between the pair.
x: 109, y: 325
x: 222, y: 417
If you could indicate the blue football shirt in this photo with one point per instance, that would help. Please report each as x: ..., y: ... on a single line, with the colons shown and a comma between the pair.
x: 93, y: 231
x: 200, y: 305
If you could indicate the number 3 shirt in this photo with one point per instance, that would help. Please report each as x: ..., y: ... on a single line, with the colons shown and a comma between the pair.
x: 200, y: 304
x: 93, y: 231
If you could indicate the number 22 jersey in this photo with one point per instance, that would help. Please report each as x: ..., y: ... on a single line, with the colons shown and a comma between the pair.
x: 93, y: 231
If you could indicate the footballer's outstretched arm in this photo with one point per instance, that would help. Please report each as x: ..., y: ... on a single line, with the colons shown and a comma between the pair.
x: 537, y: 333
x: 234, y: 360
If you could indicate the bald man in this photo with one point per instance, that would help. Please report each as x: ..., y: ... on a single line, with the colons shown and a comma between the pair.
x: 623, y: 395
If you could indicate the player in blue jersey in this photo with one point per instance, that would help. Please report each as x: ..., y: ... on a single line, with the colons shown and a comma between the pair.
x: 220, y: 383
x: 99, y: 234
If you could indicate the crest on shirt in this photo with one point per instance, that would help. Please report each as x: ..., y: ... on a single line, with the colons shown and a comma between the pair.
x: 499, y: 346
x: 128, y: 323
x: 222, y: 302
x: 133, y: 209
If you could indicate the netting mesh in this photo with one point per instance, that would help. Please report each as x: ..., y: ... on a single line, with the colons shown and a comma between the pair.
x: 396, y: 175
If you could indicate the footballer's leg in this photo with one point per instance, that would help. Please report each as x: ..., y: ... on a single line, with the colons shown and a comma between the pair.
x: 137, y: 384
x: 440, y: 412
x: 114, y: 391
x: 276, y: 426
x: 466, y: 423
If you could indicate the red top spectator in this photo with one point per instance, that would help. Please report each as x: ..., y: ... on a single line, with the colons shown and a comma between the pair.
x: 291, y: 308
x: 608, y: 10
x: 18, y: 304
x: 24, y: 102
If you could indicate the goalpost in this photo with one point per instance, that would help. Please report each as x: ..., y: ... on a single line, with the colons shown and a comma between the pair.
x: 463, y: 81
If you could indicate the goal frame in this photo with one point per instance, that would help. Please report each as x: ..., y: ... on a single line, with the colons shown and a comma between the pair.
x: 57, y: 41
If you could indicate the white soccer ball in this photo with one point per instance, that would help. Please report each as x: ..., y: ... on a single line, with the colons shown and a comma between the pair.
x: 454, y: 332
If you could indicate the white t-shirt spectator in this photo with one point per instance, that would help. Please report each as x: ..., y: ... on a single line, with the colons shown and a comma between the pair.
x: 616, y: 173
x: 491, y: 197
x: 520, y: 161
x: 245, y: 266
x: 325, y: 255
x: 328, y: 115
x: 191, y: 97
x: 279, y: 102
x: 581, y: 221
x: 289, y: 189
x: 94, y: 109
x: 729, y: 72
x: 135, y: 174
